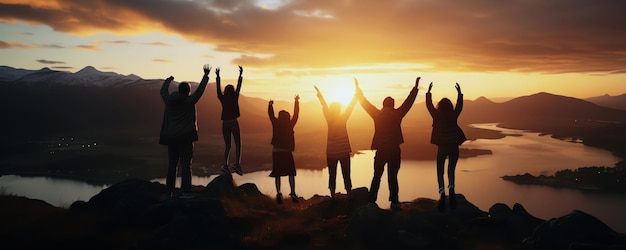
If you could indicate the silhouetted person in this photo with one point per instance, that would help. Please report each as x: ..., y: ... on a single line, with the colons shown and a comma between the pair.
x: 337, y: 144
x: 447, y: 135
x: 230, y: 112
x: 179, y: 130
x: 387, y: 140
x: 283, y: 145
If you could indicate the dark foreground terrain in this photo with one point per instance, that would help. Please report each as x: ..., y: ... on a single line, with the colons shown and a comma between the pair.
x: 135, y: 214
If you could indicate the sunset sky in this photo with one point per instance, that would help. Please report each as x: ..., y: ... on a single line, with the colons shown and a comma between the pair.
x: 493, y: 48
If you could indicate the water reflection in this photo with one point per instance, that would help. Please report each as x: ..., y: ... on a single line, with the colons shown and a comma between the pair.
x: 478, y: 178
x: 57, y: 192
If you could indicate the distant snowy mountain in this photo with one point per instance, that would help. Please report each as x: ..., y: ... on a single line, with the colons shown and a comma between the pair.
x: 88, y: 76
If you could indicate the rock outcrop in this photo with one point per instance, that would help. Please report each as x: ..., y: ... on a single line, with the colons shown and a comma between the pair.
x: 576, y: 230
x: 137, y: 214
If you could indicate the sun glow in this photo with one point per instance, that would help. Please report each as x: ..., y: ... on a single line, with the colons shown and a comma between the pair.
x: 342, y: 93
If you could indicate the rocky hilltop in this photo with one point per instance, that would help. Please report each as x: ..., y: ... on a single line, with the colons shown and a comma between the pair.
x: 135, y: 214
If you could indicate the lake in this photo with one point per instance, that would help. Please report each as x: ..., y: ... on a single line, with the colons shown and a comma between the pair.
x: 477, y: 178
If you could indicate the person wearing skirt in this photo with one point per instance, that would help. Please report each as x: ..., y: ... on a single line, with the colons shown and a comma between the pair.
x: 283, y: 143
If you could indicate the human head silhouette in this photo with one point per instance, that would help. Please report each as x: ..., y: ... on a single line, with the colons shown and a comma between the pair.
x: 184, y: 88
x: 335, y: 108
x: 388, y: 102
x: 229, y: 90
x: 283, y: 116
x: 445, y: 105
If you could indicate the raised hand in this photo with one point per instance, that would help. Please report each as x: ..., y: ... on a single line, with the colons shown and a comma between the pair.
x: 207, y: 69
x: 171, y: 78
x: 430, y: 87
x: 297, y: 97
x: 217, y: 71
x: 240, y: 70
x: 417, y: 82
x: 317, y: 90
x: 271, y: 102
x: 358, y: 92
x: 458, y: 88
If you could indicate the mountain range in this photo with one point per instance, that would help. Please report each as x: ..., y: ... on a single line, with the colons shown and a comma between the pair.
x: 42, y: 104
x: 88, y: 76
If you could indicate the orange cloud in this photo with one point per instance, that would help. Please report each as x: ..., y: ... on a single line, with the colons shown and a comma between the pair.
x: 14, y: 45
x: 88, y: 47
x: 161, y: 60
x: 491, y: 35
x: 157, y: 44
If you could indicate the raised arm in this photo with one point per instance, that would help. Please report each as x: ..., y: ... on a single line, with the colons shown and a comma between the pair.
x: 218, y: 83
x: 240, y: 80
x: 205, y: 80
x: 322, y: 101
x: 459, y: 100
x: 270, y: 110
x: 296, y: 110
x: 429, y: 101
x: 346, y: 113
x: 367, y: 106
x: 408, y: 102
x: 165, y: 87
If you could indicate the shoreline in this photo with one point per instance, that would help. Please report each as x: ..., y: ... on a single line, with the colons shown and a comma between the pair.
x: 101, y: 175
x: 108, y: 165
x: 587, y: 179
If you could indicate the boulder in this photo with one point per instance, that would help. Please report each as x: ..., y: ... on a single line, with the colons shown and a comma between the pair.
x: 222, y: 185
x: 360, y: 196
x: 500, y: 212
x: 127, y: 198
x: 249, y: 190
x: 517, y: 222
x: 465, y: 210
x: 576, y: 229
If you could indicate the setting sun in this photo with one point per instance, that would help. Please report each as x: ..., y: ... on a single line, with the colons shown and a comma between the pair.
x: 340, y: 92
x: 313, y: 124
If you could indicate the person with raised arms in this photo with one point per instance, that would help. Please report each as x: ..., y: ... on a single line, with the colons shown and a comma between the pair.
x: 386, y: 141
x: 338, y: 143
x: 283, y: 142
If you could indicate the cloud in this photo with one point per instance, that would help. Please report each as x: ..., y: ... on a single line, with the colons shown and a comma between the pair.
x: 161, y: 60
x: 157, y: 44
x: 116, y: 42
x: 94, y: 44
x: 62, y: 67
x: 18, y: 45
x: 353, y: 70
x: 22, y: 33
x: 49, y: 62
x: 88, y: 47
x: 486, y: 35
x: 14, y: 45
x: 51, y: 46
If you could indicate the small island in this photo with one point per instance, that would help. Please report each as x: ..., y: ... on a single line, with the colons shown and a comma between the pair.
x: 605, y: 179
